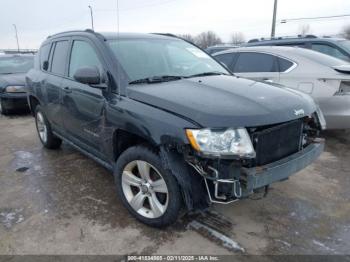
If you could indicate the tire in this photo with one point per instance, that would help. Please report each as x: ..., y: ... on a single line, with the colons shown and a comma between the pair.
x: 43, y: 127
x: 3, y: 109
x: 156, y: 202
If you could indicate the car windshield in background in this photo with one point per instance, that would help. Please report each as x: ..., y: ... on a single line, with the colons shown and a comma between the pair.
x: 321, y: 58
x: 16, y: 64
x: 345, y: 44
x: 150, y: 58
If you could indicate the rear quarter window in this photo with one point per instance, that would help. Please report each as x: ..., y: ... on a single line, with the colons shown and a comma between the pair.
x: 44, y: 54
x: 284, y: 64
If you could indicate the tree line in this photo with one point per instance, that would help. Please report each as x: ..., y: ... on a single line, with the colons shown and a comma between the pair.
x: 210, y: 38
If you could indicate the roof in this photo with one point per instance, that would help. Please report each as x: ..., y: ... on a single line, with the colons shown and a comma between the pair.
x: 113, y: 35
x: 16, y: 55
x: 254, y: 42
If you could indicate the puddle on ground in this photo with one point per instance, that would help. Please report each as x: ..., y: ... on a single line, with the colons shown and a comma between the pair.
x: 10, y: 217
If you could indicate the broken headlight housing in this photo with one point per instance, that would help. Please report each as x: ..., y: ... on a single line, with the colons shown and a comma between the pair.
x: 15, y: 89
x: 229, y: 142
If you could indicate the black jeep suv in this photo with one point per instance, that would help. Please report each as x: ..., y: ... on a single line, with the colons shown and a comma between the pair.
x: 175, y: 127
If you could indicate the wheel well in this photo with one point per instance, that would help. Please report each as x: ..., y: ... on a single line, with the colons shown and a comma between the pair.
x: 33, y: 103
x: 122, y: 140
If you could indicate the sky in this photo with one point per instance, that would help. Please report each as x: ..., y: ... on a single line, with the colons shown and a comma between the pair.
x: 36, y: 19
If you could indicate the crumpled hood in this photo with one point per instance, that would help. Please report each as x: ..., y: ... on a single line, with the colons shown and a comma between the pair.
x: 224, y: 101
x: 11, y: 79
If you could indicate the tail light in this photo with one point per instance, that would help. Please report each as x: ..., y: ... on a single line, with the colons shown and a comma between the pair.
x: 344, y: 88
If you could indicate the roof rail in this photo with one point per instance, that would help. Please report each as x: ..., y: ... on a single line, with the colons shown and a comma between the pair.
x: 74, y: 31
x: 280, y: 38
x: 166, y: 34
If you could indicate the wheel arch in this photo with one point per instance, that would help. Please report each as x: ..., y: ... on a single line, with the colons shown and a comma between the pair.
x: 33, y: 102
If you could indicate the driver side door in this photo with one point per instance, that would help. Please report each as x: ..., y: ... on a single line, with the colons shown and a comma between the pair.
x: 83, y: 104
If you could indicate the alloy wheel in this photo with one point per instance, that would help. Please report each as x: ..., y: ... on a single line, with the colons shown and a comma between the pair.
x: 145, y: 189
x: 41, y: 126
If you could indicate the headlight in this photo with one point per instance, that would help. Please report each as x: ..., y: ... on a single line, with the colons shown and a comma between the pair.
x: 321, y: 118
x: 228, y: 142
x: 15, y: 89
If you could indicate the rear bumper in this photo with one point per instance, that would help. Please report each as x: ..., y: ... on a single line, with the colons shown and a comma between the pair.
x: 336, y: 111
x: 14, y: 101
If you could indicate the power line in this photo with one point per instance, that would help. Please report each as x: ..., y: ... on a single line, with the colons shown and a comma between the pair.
x: 138, y: 7
x: 312, y: 18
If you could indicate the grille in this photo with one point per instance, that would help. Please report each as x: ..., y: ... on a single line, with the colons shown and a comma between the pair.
x: 277, y: 142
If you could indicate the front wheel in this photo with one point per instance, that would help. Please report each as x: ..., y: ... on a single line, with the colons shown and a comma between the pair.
x: 148, y: 191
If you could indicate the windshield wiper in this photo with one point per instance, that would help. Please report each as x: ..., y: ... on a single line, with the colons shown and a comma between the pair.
x: 155, y: 79
x: 214, y: 73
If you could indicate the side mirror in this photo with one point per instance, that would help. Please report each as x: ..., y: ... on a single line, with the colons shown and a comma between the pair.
x: 89, y: 75
x: 45, y: 65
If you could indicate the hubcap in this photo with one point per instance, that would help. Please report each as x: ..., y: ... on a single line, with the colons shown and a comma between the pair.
x: 145, y: 189
x: 41, y: 126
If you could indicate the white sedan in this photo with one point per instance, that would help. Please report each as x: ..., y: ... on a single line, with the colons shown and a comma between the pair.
x: 325, y: 78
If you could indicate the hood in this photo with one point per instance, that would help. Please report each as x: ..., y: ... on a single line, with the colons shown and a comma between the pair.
x: 224, y: 101
x: 12, y: 79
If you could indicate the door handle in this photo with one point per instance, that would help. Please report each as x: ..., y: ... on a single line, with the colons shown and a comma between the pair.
x: 67, y: 89
x: 268, y: 80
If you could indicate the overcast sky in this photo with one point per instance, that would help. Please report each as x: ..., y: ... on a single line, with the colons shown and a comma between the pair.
x: 36, y: 19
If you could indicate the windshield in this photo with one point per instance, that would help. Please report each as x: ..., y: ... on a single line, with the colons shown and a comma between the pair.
x: 321, y: 58
x: 147, y: 58
x: 16, y: 64
x: 345, y: 44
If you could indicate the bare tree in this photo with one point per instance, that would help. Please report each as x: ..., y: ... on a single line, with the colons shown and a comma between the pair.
x: 346, y: 32
x: 237, y: 38
x: 304, y: 29
x: 187, y: 37
x: 207, y: 39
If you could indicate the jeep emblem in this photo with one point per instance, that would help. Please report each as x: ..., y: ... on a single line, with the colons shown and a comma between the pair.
x: 299, y: 112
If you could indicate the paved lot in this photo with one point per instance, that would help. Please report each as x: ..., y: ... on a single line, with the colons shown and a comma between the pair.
x: 61, y: 202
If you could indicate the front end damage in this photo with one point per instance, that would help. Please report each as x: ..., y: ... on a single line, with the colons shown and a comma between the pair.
x: 281, y: 151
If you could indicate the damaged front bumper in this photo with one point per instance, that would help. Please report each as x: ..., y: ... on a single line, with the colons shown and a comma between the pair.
x: 242, y: 181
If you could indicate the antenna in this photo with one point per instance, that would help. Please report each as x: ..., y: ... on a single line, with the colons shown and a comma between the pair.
x: 118, y: 69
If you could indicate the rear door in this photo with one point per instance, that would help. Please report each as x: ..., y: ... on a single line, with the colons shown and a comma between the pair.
x: 83, y: 104
x: 257, y: 66
x: 53, y: 81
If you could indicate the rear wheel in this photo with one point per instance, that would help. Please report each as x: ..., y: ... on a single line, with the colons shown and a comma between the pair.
x: 47, y: 138
x: 148, y: 191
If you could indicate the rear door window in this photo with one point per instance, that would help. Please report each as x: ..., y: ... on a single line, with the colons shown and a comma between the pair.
x: 255, y: 62
x: 58, y: 64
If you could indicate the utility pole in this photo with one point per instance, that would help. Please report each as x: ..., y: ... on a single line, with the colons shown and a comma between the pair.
x: 16, y: 37
x: 274, y: 19
x: 92, y: 18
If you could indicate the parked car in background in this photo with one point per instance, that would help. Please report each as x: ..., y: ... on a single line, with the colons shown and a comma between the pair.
x: 12, y: 82
x: 325, y: 78
x: 336, y: 47
x: 172, y: 123
x: 217, y: 48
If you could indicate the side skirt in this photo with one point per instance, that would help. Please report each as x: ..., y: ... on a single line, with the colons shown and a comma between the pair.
x: 98, y: 160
